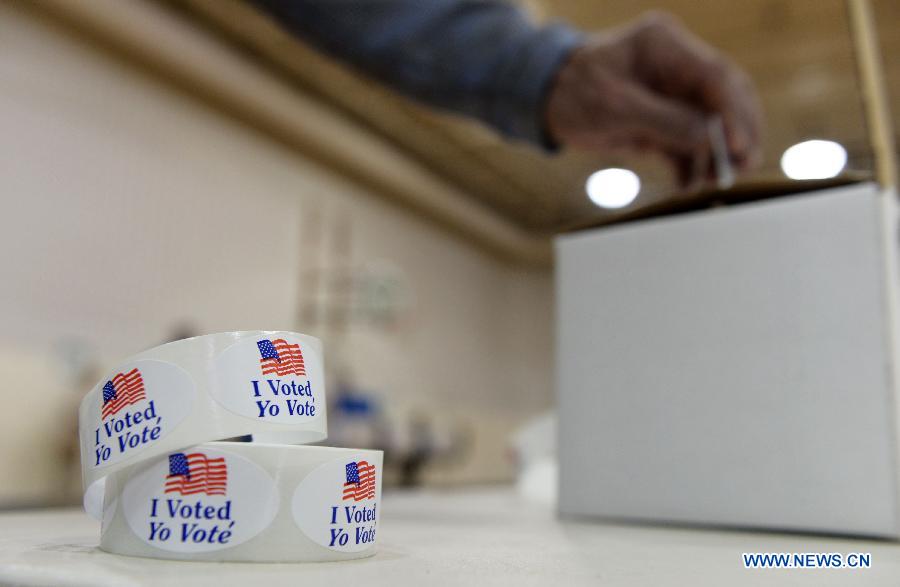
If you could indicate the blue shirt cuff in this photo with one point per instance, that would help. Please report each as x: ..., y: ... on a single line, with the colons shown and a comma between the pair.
x: 523, y: 84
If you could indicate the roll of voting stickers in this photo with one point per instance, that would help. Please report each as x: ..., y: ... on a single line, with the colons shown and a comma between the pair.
x: 163, y: 485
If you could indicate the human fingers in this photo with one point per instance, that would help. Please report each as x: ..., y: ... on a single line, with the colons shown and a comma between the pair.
x: 676, y: 63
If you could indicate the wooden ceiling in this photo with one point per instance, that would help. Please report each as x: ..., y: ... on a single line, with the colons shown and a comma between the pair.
x: 799, y: 52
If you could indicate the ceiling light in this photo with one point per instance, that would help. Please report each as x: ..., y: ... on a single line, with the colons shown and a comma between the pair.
x: 814, y: 160
x: 613, y: 187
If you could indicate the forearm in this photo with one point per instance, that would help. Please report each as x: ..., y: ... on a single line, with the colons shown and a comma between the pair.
x: 481, y: 58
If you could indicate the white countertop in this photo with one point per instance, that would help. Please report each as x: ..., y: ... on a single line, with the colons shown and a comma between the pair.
x: 474, y: 538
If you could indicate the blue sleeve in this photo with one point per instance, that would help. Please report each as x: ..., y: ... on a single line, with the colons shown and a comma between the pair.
x: 482, y: 58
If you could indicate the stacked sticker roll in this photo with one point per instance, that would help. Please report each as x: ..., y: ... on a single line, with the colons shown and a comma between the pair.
x: 164, y: 486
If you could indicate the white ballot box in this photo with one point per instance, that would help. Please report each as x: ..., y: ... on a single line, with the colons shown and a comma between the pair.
x: 735, y: 365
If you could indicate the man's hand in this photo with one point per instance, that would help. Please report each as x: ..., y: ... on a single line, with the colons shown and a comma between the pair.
x: 651, y: 86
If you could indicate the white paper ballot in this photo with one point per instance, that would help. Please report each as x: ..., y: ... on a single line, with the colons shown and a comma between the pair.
x: 724, y: 171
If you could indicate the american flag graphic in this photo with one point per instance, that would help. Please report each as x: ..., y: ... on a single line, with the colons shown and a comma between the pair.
x: 360, y: 483
x: 122, y: 390
x: 196, y: 473
x: 280, y: 358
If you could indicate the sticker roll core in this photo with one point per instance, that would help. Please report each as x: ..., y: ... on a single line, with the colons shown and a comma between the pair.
x: 246, y: 502
x: 266, y: 384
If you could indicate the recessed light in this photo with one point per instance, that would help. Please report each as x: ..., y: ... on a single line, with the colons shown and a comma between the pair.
x: 613, y: 187
x: 814, y: 159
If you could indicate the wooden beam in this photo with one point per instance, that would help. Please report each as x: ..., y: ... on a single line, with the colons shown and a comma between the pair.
x: 874, y: 91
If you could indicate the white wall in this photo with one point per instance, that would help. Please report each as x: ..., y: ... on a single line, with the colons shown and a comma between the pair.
x: 129, y: 207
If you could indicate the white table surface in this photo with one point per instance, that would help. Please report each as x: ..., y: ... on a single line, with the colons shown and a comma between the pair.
x: 472, y: 538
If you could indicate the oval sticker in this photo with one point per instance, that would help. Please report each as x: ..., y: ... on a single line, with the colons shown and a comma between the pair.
x: 336, y: 505
x: 142, y: 402
x: 199, y: 500
x: 276, y: 379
